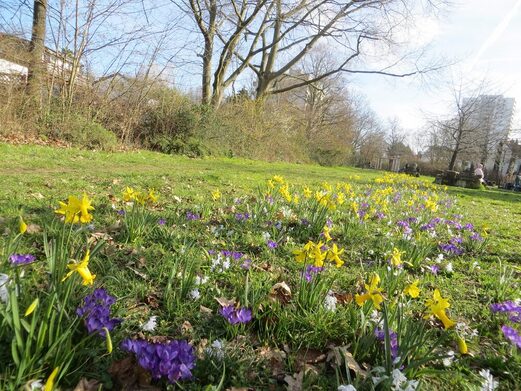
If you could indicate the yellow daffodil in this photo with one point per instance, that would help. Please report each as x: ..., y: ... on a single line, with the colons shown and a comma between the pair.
x: 49, y: 384
x: 129, y: 194
x: 307, y: 192
x: 431, y: 205
x: 437, y: 306
x: 326, y: 234
x: 270, y: 183
x: 278, y: 179
x: 216, y: 195
x: 462, y: 346
x: 302, y: 255
x: 317, y: 255
x: 373, y: 293
x: 340, y: 198
x: 333, y: 255
x: 396, y: 257
x: 151, y: 196
x: 32, y: 307
x: 296, y: 199
x: 76, y: 210
x: 412, y: 289
x: 22, y: 226
x: 83, y: 270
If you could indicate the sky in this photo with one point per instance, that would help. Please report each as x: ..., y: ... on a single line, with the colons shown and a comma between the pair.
x: 481, y: 37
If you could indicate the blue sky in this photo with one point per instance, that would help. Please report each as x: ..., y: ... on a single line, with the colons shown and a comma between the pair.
x: 483, y: 36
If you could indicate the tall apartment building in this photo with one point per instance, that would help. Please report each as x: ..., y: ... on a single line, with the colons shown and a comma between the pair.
x: 491, y: 119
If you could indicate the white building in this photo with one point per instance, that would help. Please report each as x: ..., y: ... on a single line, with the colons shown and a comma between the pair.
x: 491, y: 116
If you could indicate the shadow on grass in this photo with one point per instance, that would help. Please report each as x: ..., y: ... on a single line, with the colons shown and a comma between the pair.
x: 488, y: 194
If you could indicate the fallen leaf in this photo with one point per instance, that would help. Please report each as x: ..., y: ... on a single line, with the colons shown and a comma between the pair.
x: 33, y: 228
x: 340, y: 354
x: 280, y: 292
x: 204, y: 310
x: 224, y: 302
x: 129, y: 376
x: 295, y: 382
x: 87, y: 385
x: 186, y: 327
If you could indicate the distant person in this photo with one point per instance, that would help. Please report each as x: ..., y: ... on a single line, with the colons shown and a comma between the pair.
x: 479, y: 173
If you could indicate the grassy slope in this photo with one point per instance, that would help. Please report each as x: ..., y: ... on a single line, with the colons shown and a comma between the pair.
x: 32, y: 177
x: 28, y: 171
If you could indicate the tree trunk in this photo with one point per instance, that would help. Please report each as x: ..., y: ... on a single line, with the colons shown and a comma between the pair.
x: 207, y: 71
x: 37, y: 71
x: 453, y: 158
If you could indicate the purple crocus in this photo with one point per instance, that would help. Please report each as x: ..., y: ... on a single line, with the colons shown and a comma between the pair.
x: 512, y: 335
x: 311, y: 271
x: 272, y: 244
x: 434, y: 269
x: 21, y: 259
x: 96, y: 312
x: 192, y: 216
x: 393, y: 337
x: 173, y: 360
x: 513, y: 310
x: 235, y: 316
x: 121, y: 212
x: 161, y: 221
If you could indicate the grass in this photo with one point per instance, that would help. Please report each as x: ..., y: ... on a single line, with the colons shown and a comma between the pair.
x: 153, y: 274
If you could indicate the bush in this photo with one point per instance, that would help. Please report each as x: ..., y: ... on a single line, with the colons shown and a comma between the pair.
x: 78, y: 130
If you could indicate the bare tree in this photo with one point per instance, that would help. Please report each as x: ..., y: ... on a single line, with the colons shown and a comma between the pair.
x: 465, y: 131
x: 36, y: 69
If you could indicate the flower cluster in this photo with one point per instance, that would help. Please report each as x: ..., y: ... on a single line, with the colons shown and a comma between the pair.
x: 317, y: 253
x: 96, y: 312
x: 130, y: 195
x: 21, y: 259
x: 236, y: 315
x: 513, y: 309
x: 76, y: 210
x: 173, y: 360
x: 437, y: 306
x: 393, y: 338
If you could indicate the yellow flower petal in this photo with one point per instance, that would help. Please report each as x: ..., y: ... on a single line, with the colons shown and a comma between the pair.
x: 32, y: 307
x: 49, y: 384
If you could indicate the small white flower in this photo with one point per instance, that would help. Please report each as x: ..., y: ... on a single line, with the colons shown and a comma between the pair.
x: 4, y: 294
x: 398, y: 378
x: 371, y: 252
x: 449, y: 268
x: 475, y: 265
x: 226, y: 264
x: 439, y: 258
x: 375, y: 317
x: 347, y: 387
x: 200, y: 280
x: 151, y: 324
x: 194, y: 294
x: 489, y: 384
x: 447, y: 361
x: 330, y: 302
x: 216, y: 349
x: 266, y: 236
x: 36, y: 385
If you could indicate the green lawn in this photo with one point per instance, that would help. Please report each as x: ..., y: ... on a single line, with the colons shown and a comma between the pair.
x: 150, y: 269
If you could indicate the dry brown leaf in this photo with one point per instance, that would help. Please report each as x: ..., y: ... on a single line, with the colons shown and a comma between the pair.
x: 33, y: 228
x: 280, y: 292
x: 295, y: 382
x: 340, y: 354
x: 87, y: 385
x: 129, y: 376
x: 186, y: 328
x: 205, y: 310
x: 224, y: 302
